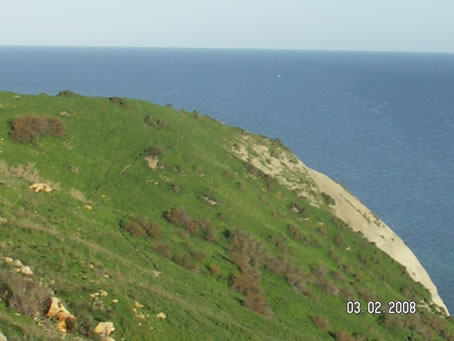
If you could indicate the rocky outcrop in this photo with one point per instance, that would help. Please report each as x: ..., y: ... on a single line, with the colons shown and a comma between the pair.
x: 58, y: 310
x: 40, y: 187
x: 104, y: 329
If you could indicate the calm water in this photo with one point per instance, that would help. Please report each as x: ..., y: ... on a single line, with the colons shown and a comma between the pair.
x: 380, y: 123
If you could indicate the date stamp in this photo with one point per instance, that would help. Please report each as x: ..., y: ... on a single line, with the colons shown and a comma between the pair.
x: 377, y: 307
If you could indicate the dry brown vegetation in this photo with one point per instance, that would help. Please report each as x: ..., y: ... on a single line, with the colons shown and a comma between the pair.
x: 140, y: 226
x: 28, y: 129
x: 23, y: 294
x: 321, y: 322
x: 248, y: 255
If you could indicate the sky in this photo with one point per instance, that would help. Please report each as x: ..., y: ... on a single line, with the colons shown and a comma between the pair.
x: 363, y: 25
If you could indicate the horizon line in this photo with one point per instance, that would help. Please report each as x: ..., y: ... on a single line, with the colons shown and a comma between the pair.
x: 170, y: 47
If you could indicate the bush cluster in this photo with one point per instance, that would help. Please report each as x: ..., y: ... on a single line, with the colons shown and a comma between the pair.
x: 180, y: 217
x: 248, y: 255
x: 28, y: 129
x: 67, y: 93
x: 154, y: 123
x: 140, y: 226
x: 118, y: 100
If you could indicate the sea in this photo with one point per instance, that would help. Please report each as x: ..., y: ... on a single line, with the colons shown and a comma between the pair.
x: 380, y: 123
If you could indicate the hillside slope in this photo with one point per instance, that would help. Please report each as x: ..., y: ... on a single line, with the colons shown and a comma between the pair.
x: 174, y: 226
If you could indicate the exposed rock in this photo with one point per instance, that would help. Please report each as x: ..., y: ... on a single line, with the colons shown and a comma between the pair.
x: 26, y: 270
x: 156, y: 273
x: 138, y: 305
x: 104, y: 328
x: 209, y: 201
x: 161, y: 316
x: 3, y: 337
x: 152, y: 161
x: 88, y: 207
x: 18, y: 263
x: 3, y: 220
x: 8, y: 259
x: 58, y: 310
x: 114, y: 301
x: 103, y: 293
x: 40, y: 187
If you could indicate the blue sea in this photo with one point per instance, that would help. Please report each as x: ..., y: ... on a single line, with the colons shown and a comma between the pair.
x: 380, y: 123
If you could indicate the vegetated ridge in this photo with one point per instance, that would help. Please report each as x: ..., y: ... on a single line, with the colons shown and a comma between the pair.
x: 125, y: 220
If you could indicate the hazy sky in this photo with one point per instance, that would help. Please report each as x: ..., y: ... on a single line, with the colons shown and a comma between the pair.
x: 390, y: 25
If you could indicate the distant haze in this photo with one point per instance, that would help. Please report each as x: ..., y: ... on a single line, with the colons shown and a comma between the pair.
x: 370, y: 25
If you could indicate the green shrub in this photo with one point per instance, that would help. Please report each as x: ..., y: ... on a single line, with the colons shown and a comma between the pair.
x: 295, y: 233
x: 155, y: 123
x: 327, y: 199
x: 67, y: 93
x: 118, y: 100
x: 28, y: 129
x: 155, y: 151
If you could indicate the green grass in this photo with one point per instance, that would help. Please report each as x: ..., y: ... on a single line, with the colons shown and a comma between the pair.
x: 60, y: 238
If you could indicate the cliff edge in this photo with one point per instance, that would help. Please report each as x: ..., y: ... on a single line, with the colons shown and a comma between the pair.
x: 312, y: 185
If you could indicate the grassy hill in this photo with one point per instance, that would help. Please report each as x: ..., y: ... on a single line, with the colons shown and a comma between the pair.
x: 153, y: 210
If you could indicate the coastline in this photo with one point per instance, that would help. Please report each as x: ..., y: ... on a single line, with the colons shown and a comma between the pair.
x: 289, y: 170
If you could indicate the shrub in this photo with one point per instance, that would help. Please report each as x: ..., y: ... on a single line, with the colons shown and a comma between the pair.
x: 197, y: 115
x: 321, y: 322
x: 197, y: 169
x: 281, y: 243
x: 175, y: 188
x: 23, y: 294
x: 67, y: 93
x: 155, y: 151
x: 339, y: 241
x: 185, y: 261
x: 321, y: 230
x: 118, y: 100
x: 247, y: 282
x: 208, y: 232
x: 28, y: 129
x: 155, y: 123
x: 327, y: 199
x: 139, y: 226
x: 164, y: 250
x: 214, y: 269
x: 295, y: 233
x: 340, y: 224
x: 255, y: 301
x: 343, y: 336
x: 298, y: 209
x: 296, y: 280
x: 199, y: 256
x: 178, y: 216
